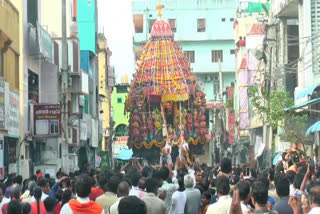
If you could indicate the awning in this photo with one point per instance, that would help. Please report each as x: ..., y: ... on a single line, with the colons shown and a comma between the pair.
x: 307, y: 92
x: 301, y: 105
x: 314, y: 128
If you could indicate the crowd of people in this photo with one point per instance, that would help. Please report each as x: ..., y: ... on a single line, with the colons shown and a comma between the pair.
x: 290, y: 187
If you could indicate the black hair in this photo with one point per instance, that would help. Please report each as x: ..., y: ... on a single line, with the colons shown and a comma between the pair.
x: 18, y: 179
x: 26, y: 208
x: 282, y: 185
x: 3, y: 187
x: 151, y: 185
x: 226, y: 165
x: 222, y: 185
x: 260, y: 192
x: 132, y: 205
x: 49, y: 204
x: 66, y: 197
x: 15, y: 193
x: 291, y: 174
x: 244, y: 190
x: 181, y: 183
x: 283, y: 155
x: 37, y: 193
x: 268, y: 173
x: 164, y: 173
x: 298, y: 178
x: 83, y: 186
x: 207, y: 195
x: 103, y: 180
x: 112, y: 184
x: 142, y: 183
x: 14, y: 207
x: 32, y: 186
x: 59, y: 194
x: 146, y: 171
x: 135, y: 176
x: 315, y: 192
x: 38, y: 171
x: 200, y: 188
x: 47, y: 176
x: 253, y: 172
x: 43, y: 182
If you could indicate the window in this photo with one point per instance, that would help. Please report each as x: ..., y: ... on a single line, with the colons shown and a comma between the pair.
x: 54, y: 126
x: 217, y: 55
x: 223, y: 19
x: 189, y: 55
x: 138, y: 23
x: 231, y: 19
x: 201, y: 25
x: 32, y: 6
x: 172, y: 23
x: 1, y: 63
x: 151, y: 22
x: 119, y: 100
x: 33, y: 86
x: 42, y: 127
x: 122, y: 89
x: 232, y: 51
x: 121, y: 130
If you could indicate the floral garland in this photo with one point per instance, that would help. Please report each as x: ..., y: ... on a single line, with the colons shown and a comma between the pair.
x: 161, y: 144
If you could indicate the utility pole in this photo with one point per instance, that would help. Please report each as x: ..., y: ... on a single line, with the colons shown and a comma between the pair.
x: 64, y: 95
x: 221, y: 101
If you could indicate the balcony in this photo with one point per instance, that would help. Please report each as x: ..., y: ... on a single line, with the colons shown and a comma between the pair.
x: 285, y: 8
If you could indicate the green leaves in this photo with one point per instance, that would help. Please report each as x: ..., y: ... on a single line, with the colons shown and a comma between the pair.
x: 270, y: 108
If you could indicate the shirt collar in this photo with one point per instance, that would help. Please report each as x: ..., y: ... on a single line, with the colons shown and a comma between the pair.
x: 110, y: 193
x: 224, y: 197
x: 150, y: 194
x: 83, y: 200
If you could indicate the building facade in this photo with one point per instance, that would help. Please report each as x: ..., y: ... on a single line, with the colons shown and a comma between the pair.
x: 9, y: 86
x: 106, y: 83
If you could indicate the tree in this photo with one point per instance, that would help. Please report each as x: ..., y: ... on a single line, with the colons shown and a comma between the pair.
x: 270, y: 107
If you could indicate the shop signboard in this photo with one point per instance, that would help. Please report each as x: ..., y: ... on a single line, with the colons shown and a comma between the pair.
x: 14, y: 115
x: 120, y: 149
x: 47, y: 119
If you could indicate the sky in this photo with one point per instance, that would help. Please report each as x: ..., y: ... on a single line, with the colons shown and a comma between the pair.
x: 115, y: 20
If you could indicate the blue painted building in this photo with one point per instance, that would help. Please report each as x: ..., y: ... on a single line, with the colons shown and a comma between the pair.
x: 204, y: 30
x: 89, y: 104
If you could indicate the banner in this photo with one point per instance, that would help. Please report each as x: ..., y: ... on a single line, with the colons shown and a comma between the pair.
x: 120, y: 149
x: 14, y: 115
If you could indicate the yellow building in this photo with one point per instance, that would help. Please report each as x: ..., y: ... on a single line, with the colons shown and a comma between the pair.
x: 10, y: 67
x: 105, y: 87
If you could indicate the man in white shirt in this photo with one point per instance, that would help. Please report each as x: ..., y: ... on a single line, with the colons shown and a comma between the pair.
x: 135, y: 177
x: 82, y: 204
x: 3, y: 200
x: 123, y: 191
x: 315, y: 198
x: 245, y: 196
x: 222, y: 206
x: 45, y: 187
